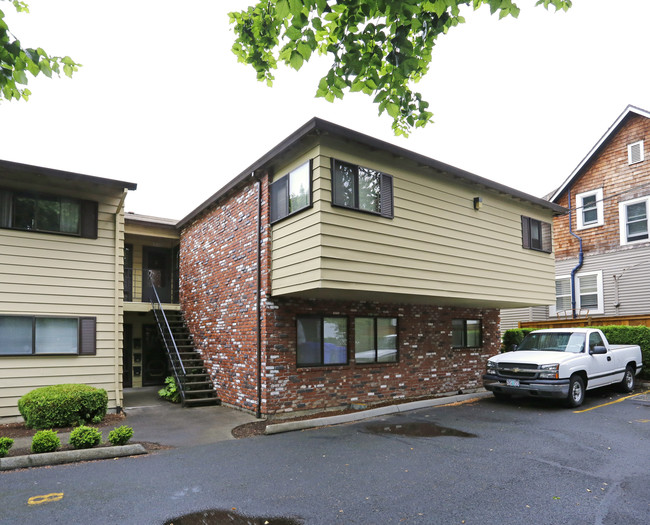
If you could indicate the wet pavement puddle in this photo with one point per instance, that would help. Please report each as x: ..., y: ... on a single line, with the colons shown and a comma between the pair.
x: 424, y: 429
x: 228, y: 517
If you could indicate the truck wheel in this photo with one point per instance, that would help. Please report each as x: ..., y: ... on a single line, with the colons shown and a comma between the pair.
x: 627, y: 385
x: 576, y: 392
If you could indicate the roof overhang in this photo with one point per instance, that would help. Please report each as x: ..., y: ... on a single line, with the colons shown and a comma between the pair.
x: 320, y: 126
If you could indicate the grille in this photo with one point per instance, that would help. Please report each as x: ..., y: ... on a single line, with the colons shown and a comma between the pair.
x: 517, y: 370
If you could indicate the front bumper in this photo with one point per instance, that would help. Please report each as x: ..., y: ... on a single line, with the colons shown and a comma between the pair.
x: 554, y: 388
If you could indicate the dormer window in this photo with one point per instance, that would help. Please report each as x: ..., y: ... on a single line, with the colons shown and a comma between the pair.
x: 635, y: 152
x: 589, y: 209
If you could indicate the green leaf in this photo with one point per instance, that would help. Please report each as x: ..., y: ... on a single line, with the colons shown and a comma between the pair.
x: 282, y: 9
x: 20, y: 77
x: 296, y: 60
x: 45, y: 68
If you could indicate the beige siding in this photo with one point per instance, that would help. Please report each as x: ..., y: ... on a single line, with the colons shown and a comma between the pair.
x: 437, y: 248
x: 58, y: 275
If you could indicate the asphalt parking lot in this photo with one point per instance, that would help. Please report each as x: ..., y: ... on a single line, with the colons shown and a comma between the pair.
x: 479, y: 462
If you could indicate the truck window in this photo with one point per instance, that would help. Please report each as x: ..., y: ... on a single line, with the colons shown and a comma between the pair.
x: 595, y: 340
x: 554, y: 342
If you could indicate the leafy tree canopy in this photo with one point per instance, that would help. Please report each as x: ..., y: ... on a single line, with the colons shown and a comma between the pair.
x: 379, y: 47
x: 16, y: 61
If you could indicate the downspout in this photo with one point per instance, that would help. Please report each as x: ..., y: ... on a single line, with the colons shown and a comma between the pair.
x: 580, y: 260
x: 258, y: 412
x: 116, y: 328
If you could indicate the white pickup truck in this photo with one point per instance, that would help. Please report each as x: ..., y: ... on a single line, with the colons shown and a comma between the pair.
x: 562, y: 364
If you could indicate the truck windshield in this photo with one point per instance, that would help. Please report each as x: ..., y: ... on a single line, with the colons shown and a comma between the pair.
x: 554, y: 342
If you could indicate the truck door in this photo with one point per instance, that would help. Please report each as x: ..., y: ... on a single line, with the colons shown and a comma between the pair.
x: 600, y: 365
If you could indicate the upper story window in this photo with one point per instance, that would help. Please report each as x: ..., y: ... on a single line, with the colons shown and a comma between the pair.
x: 33, y: 335
x: 588, y: 291
x: 635, y: 152
x: 362, y: 189
x: 291, y: 193
x: 633, y: 220
x: 41, y: 212
x: 536, y: 235
x: 589, y: 209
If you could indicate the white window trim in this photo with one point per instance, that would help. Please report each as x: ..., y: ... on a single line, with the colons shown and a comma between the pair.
x: 599, y: 209
x: 552, y: 310
x: 629, y: 152
x: 622, y: 219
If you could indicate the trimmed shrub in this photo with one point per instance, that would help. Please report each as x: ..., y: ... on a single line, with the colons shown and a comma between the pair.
x: 63, y: 406
x: 514, y: 336
x: 120, y: 435
x: 5, y: 445
x: 170, y: 392
x: 45, y: 441
x: 85, y: 437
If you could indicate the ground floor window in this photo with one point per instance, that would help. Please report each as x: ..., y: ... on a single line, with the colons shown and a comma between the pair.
x: 466, y: 333
x: 375, y: 339
x: 322, y: 341
x: 31, y: 335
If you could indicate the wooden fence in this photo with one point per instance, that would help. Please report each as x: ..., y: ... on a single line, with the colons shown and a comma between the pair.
x: 631, y: 320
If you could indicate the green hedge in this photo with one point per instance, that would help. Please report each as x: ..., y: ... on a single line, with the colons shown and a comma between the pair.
x: 63, y: 406
x: 615, y: 334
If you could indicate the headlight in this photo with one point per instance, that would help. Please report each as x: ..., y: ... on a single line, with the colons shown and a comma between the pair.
x: 549, y: 371
x: 491, y: 367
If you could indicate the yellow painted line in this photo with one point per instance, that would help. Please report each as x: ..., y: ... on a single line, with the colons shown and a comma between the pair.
x: 611, y: 402
x: 47, y: 498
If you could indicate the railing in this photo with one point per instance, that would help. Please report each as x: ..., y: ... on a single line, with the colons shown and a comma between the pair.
x: 136, y: 288
x: 168, y: 338
x: 630, y: 320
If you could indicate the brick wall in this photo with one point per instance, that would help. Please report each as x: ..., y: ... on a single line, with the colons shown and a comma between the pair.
x: 428, y: 364
x: 610, y: 171
x: 218, y: 287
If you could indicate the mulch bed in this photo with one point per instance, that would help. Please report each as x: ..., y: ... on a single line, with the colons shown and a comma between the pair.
x: 19, y: 430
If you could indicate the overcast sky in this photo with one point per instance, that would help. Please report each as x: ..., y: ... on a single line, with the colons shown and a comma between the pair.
x: 161, y: 100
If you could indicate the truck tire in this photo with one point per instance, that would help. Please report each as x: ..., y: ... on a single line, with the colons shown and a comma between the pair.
x: 576, y: 392
x: 628, y: 382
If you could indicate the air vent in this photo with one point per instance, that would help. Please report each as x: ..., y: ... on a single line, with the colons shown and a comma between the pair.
x: 635, y: 152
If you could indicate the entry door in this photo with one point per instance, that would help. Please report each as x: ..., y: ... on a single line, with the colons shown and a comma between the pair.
x: 127, y: 356
x: 154, y: 360
x: 159, y: 261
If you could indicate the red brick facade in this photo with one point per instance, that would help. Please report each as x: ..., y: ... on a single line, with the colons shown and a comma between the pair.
x: 609, y: 170
x: 218, y: 284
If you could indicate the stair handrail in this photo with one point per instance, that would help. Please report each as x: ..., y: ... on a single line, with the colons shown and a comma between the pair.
x: 169, y: 331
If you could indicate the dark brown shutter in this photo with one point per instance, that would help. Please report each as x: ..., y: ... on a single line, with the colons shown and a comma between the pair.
x: 89, y: 219
x: 5, y: 208
x: 386, y: 195
x: 88, y: 336
x: 525, y: 232
x: 279, y: 199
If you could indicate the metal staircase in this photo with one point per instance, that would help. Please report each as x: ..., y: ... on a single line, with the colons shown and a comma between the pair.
x: 186, y: 363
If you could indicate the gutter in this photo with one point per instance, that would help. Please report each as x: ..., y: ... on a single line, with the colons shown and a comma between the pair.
x: 580, y: 259
x: 258, y: 411
x: 116, y: 324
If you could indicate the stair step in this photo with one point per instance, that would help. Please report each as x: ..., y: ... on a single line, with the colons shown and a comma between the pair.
x: 194, y: 393
x: 202, y: 401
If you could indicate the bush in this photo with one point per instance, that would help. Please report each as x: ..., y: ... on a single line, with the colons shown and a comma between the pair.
x: 5, y: 445
x: 170, y: 392
x: 514, y: 337
x: 85, y: 437
x: 63, y: 406
x: 45, y: 441
x: 120, y: 435
x: 631, y: 335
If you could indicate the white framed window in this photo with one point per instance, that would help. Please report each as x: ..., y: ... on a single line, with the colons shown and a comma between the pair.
x: 635, y: 152
x: 589, y: 294
x: 633, y: 220
x: 589, y: 209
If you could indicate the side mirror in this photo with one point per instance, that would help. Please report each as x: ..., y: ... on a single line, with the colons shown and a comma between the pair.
x: 598, y: 350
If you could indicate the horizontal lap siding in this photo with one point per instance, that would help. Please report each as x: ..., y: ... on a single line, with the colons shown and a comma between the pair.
x: 58, y: 275
x: 436, y: 246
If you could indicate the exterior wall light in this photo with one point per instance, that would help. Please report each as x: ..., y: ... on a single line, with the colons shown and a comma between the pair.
x: 478, y: 202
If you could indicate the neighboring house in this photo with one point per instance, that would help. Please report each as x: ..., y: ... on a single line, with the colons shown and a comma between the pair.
x: 378, y: 274
x: 61, y: 272
x: 609, y: 197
